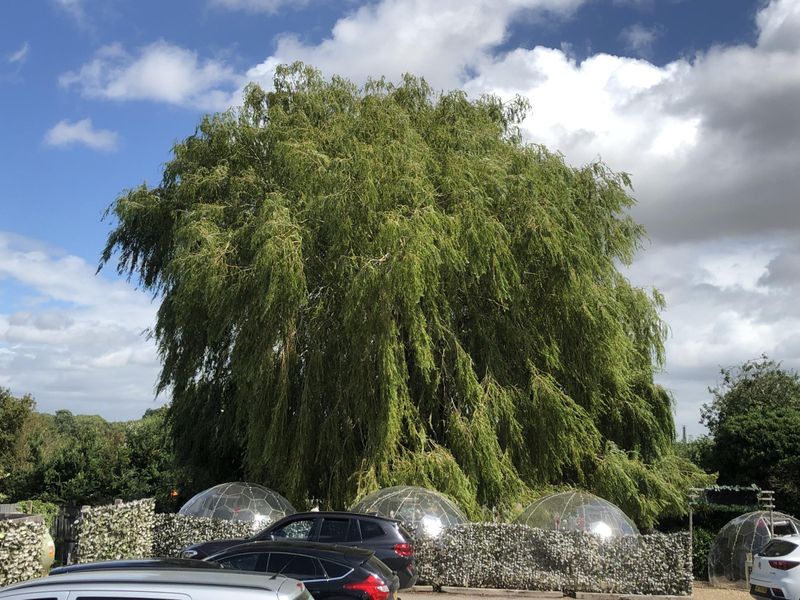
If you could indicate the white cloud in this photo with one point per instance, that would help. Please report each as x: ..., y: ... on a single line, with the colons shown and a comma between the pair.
x: 259, y: 6
x: 75, y: 9
x: 80, y: 345
x: 66, y: 133
x: 159, y: 72
x: 728, y: 302
x: 640, y: 39
x: 779, y: 25
x: 441, y: 40
x: 21, y: 55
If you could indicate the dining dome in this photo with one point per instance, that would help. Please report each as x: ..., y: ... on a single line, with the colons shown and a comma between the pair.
x: 421, y: 509
x: 239, y: 501
x: 740, y: 537
x: 578, y: 511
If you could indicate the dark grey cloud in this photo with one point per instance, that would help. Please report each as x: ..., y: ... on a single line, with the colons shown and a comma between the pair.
x: 783, y: 271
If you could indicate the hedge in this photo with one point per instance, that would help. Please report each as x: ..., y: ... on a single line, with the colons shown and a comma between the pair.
x: 116, y: 531
x: 173, y: 532
x: 20, y: 550
x: 499, y: 555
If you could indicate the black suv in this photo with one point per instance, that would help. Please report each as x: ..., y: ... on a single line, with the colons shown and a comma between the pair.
x: 386, y: 537
x: 329, y: 572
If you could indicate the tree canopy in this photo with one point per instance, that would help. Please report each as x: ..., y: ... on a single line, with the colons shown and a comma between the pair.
x: 366, y: 286
x: 756, y: 410
x: 83, y: 459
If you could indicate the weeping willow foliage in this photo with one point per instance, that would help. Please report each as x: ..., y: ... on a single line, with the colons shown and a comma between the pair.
x: 371, y: 286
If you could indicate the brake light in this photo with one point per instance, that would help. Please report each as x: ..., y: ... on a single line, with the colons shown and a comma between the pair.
x: 372, y: 586
x: 783, y: 565
x: 404, y: 550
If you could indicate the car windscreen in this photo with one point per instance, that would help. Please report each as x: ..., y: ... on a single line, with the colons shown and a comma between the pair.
x: 777, y: 548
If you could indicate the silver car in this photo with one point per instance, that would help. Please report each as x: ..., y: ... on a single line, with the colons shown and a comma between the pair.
x: 163, y: 584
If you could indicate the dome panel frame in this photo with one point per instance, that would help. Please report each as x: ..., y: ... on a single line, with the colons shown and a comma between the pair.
x: 239, y: 501
x: 426, y: 511
x: 578, y: 510
x: 738, y: 538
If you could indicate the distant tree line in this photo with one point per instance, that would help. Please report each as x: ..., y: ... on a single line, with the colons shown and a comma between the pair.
x: 73, y: 460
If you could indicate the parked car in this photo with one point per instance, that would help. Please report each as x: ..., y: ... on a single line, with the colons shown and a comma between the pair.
x: 386, y: 537
x: 776, y: 570
x: 328, y: 571
x: 138, y: 563
x: 183, y: 584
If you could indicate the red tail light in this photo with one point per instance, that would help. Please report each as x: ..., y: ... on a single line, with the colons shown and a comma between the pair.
x: 374, y: 587
x: 404, y: 550
x: 783, y: 565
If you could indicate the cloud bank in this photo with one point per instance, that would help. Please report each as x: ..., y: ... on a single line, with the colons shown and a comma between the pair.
x: 71, y: 338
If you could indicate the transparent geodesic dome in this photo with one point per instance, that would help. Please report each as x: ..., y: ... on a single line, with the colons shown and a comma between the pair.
x: 420, y: 509
x: 738, y: 540
x: 239, y: 501
x: 578, y: 511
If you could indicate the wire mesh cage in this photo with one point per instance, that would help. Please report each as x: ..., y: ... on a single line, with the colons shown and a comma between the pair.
x: 735, y: 544
x: 420, y: 509
x: 578, y: 511
x: 239, y: 501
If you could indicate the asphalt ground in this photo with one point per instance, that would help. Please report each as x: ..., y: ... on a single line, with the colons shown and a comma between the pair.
x: 702, y: 591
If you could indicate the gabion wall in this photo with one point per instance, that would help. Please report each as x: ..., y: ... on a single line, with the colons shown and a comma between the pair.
x: 499, y: 555
x: 20, y: 550
x: 116, y: 531
x: 172, y: 532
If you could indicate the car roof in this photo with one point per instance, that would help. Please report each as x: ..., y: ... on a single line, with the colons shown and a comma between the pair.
x: 211, y: 577
x: 141, y: 563
x: 331, y: 551
x: 341, y: 514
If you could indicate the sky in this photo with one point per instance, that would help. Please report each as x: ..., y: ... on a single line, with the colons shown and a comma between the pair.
x: 696, y: 99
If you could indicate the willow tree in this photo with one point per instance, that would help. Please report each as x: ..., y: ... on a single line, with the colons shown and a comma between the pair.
x: 365, y: 286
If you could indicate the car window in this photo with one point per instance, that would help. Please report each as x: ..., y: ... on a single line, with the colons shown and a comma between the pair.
x: 370, y: 529
x: 296, y: 566
x: 296, y: 530
x: 784, y: 528
x: 243, y: 562
x: 334, y: 530
x: 777, y: 548
x: 126, y: 596
x: 335, y: 570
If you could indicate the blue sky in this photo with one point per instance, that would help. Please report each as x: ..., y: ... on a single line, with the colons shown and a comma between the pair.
x: 696, y: 98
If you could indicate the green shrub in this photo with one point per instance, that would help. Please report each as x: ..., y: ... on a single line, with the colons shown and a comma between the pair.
x: 48, y: 510
x: 702, y: 539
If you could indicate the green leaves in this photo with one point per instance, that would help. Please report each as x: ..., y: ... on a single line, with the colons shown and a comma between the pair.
x: 756, y: 409
x: 368, y: 286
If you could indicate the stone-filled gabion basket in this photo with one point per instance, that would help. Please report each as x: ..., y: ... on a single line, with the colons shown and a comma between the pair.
x: 20, y: 550
x: 172, y: 533
x: 116, y: 531
x: 499, y: 555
